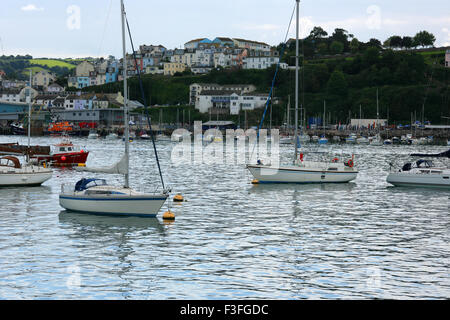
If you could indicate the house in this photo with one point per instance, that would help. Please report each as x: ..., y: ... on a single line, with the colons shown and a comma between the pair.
x: 10, y: 95
x: 260, y: 59
x: 43, y: 78
x: 200, y: 69
x: 45, y: 100
x: 229, y: 101
x: 196, y: 88
x: 251, y: 45
x: 193, y: 44
x: 55, y: 88
x: 154, y: 70
x: 84, y: 69
x: 170, y: 68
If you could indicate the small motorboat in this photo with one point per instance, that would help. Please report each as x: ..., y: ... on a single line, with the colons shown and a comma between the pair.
x: 145, y: 136
x: 351, y: 138
x: 93, y: 135
x: 387, y: 141
x: 112, y: 136
x: 323, y: 140
x: 421, y: 173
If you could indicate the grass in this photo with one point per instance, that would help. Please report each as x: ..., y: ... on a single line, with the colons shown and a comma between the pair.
x: 50, y: 63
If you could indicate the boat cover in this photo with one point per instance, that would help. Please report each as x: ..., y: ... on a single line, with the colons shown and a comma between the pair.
x: 445, y: 154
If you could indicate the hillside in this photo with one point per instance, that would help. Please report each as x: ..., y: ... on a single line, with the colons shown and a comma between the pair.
x: 17, y: 67
x: 406, y: 81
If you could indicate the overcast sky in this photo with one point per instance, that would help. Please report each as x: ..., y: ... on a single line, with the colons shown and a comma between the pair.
x: 80, y: 28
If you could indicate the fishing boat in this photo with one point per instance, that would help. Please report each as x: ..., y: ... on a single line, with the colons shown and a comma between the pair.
x: 63, y: 154
x: 301, y: 171
x: 60, y: 128
x: 95, y: 196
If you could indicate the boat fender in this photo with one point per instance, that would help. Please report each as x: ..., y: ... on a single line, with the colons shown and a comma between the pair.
x: 255, y: 181
x: 335, y: 160
x: 301, y: 157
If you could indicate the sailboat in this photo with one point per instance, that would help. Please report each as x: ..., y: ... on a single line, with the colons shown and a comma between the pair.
x: 95, y: 196
x: 303, y: 171
x: 376, y: 140
x: 323, y: 139
x: 13, y: 173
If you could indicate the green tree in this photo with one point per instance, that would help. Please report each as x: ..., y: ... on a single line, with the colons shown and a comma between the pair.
x: 336, y: 47
x: 407, y: 42
x: 424, y: 39
x: 337, y: 84
x: 354, y: 45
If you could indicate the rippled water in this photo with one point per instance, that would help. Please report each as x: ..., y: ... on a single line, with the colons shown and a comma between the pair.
x: 231, y: 239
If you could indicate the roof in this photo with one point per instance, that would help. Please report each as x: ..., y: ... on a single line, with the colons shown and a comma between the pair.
x: 195, y: 40
x: 250, y: 41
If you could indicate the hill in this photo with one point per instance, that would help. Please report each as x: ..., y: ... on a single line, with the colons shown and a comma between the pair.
x: 407, y: 81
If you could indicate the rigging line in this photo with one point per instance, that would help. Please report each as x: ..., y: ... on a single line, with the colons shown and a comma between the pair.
x: 104, y: 28
x: 145, y: 104
x: 273, y: 81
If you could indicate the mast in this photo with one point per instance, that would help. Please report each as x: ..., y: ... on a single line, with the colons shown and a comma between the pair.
x: 125, y: 99
x: 378, y: 127
x: 29, y: 118
x: 324, y: 114
x: 296, y: 83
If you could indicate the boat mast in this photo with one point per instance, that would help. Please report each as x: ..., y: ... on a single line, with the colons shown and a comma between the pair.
x: 125, y: 98
x: 296, y: 83
x: 29, y: 118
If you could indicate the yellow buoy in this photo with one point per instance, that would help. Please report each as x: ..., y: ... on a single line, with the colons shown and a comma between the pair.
x: 178, y: 198
x: 169, y: 215
x: 255, y: 181
x: 82, y: 164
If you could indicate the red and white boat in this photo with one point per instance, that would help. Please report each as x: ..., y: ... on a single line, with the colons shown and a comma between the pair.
x: 63, y: 154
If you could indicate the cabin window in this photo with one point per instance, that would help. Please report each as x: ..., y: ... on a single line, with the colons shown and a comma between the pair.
x: 62, y: 149
x: 70, y: 148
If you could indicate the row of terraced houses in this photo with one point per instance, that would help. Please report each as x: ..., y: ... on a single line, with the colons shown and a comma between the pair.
x: 199, y: 56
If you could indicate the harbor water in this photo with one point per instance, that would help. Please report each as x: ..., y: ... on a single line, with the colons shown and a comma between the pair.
x: 231, y: 239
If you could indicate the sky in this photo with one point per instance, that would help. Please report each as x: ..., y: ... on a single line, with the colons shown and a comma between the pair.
x: 82, y: 28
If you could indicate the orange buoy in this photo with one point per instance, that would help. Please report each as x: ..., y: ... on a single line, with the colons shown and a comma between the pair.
x: 169, y: 215
x: 178, y: 198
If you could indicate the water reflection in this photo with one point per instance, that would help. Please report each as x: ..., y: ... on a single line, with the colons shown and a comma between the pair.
x: 104, y: 223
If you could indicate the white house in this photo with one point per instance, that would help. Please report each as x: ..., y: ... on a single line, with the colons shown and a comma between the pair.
x: 229, y: 101
x: 261, y: 60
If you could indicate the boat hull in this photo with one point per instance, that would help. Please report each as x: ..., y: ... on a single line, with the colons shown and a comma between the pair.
x: 24, y: 179
x: 69, y: 158
x: 419, y: 180
x: 120, y: 205
x: 266, y: 174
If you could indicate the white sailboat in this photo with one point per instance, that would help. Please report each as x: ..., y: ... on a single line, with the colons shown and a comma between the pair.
x: 13, y: 173
x: 376, y: 140
x: 96, y: 196
x: 303, y: 171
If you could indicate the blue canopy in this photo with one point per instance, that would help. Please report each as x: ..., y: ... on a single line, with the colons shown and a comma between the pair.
x: 84, y: 184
